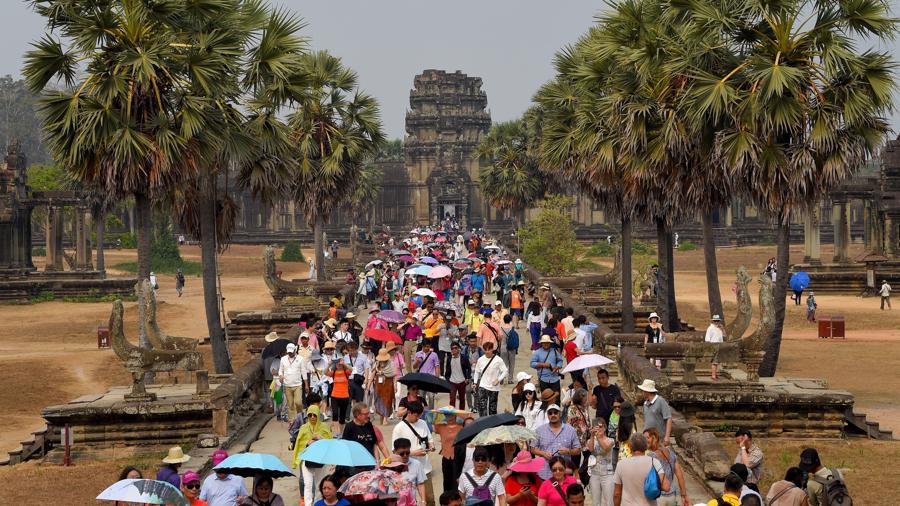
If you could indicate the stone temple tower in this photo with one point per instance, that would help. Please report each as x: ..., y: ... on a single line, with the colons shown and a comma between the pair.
x: 447, y: 119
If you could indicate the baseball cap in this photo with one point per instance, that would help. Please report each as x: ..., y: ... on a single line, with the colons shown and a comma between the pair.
x: 218, y: 456
x: 291, y: 347
x: 189, y: 477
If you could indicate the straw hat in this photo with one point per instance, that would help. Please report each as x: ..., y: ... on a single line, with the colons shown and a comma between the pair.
x: 271, y: 337
x: 546, y: 339
x: 548, y: 394
x: 383, y: 355
x: 330, y: 322
x: 176, y: 456
x: 350, y: 315
x: 390, y: 346
x: 329, y: 345
x: 648, y: 386
x: 525, y: 463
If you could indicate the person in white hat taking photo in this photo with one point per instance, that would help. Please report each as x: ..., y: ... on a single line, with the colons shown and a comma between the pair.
x: 715, y: 333
x: 291, y: 372
x: 657, y: 413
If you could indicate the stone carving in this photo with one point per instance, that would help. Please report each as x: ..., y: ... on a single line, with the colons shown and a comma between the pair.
x: 647, y: 286
x: 158, y: 339
x: 139, y: 361
x: 757, y: 340
x: 741, y: 321
x: 299, y: 296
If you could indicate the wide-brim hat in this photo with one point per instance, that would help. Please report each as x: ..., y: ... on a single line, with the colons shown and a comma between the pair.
x: 648, y: 386
x: 524, y: 462
x: 546, y: 285
x: 271, y: 337
x: 330, y: 322
x: 548, y: 394
x: 176, y: 456
x: 329, y: 345
x: 546, y: 339
x: 351, y: 314
x: 315, y: 355
x: 652, y: 316
x: 390, y: 346
x: 383, y: 355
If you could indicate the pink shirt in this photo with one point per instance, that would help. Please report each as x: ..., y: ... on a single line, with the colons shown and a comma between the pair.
x: 549, y: 493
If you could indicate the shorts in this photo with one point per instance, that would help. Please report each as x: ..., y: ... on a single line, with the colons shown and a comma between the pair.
x: 340, y: 407
x: 517, y: 311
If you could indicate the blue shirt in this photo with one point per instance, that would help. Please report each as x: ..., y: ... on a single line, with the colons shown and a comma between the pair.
x: 169, y: 475
x: 218, y: 492
x: 551, y: 442
x: 342, y: 502
x: 552, y: 357
x: 478, y: 282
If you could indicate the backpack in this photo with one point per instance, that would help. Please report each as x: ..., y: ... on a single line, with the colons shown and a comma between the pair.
x: 512, y: 340
x: 652, y: 489
x: 834, y: 489
x: 481, y: 492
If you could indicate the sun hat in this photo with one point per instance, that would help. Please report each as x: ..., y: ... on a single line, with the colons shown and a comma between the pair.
x: 176, y: 456
x: 546, y: 285
x: 523, y: 462
x: 330, y: 322
x: 315, y: 355
x: 470, y: 303
x: 393, y: 461
x: 190, y: 477
x: 271, y: 337
x: 291, y: 347
x: 351, y: 314
x: 648, y: 386
x: 716, y: 318
x: 383, y: 355
x: 329, y: 345
x: 522, y: 376
x: 529, y: 387
x: 218, y: 456
x: 390, y: 346
x: 652, y: 316
x: 548, y: 394
x: 554, y: 407
x: 546, y: 339
x: 487, y: 311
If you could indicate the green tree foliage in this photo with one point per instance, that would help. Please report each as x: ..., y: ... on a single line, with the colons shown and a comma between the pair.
x: 292, y: 252
x: 19, y: 120
x: 548, y: 242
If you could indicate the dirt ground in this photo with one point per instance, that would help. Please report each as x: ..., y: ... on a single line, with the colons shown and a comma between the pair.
x: 48, y: 351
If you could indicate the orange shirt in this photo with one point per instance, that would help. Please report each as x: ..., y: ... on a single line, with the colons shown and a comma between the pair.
x: 341, y: 387
x: 515, y: 300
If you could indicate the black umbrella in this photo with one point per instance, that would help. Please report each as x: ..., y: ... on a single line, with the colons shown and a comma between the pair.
x: 426, y: 382
x: 275, y: 349
x: 482, y: 424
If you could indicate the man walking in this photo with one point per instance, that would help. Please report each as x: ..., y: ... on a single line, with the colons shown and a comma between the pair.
x: 657, y: 412
x: 358, y: 364
x: 416, y: 431
x: 222, y: 489
x: 490, y: 371
x: 292, y: 371
x: 361, y: 430
x: 632, y: 472
x: 471, y: 353
x: 885, y: 293
x: 459, y: 372
x: 555, y: 438
x: 548, y: 362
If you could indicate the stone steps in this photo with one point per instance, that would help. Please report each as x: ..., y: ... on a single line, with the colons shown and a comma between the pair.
x: 858, y: 424
x: 34, y: 446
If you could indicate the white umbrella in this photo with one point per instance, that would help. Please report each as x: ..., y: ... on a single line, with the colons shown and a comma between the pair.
x: 503, y: 262
x: 425, y: 293
x: 143, y: 492
x: 586, y: 362
x: 492, y: 246
x: 373, y: 263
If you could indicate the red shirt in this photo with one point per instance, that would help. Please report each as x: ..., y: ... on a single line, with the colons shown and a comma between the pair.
x: 549, y: 493
x: 569, y: 350
x: 513, y: 487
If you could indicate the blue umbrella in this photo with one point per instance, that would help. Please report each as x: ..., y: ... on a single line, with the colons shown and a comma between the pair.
x: 421, y: 270
x: 249, y: 465
x: 799, y: 281
x: 143, y: 492
x: 339, y: 452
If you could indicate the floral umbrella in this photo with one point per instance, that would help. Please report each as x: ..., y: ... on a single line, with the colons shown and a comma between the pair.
x: 503, y: 434
x: 380, y: 481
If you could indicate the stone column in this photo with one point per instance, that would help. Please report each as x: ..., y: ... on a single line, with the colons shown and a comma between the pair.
x: 812, y: 241
x: 79, y: 239
x: 890, y: 236
x: 841, y: 231
x: 54, y: 240
x: 845, y: 233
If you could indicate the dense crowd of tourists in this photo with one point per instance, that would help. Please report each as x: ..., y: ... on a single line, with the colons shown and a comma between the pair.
x: 445, y: 307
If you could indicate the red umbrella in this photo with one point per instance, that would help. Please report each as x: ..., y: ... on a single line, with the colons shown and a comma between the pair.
x: 383, y: 335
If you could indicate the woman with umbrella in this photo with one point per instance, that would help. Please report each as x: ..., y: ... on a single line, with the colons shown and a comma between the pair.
x: 313, y: 430
x: 262, y: 493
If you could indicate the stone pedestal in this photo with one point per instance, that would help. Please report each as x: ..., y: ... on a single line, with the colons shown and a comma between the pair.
x: 689, y: 369
x: 841, y: 231
x: 812, y: 242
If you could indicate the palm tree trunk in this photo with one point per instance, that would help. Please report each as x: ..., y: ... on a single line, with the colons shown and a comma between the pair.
x: 662, y: 287
x: 209, y: 260
x: 773, y: 345
x: 142, y: 215
x: 100, y: 231
x: 627, y: 300
x: 318, y: 230
x: 712, y: 268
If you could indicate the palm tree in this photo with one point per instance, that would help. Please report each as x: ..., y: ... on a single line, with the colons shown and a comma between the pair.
x: 335, y: 129
x: 802, y: 106
x: 115, y: 124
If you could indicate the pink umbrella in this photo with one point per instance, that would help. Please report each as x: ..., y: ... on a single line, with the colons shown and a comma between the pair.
x: 441, y: 271
x: 406, y: 258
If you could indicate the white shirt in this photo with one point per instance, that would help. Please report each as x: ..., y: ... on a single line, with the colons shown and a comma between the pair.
x: 885, y: 290
x: 398, y: 305
x: 421, y: 428
x: 358, y: 363
x: 714, y: 334
x: 414, y: 473
x: 579, y: 339
x: 530, y: 415
x: 491, y: 376
x: 293, y: 369
x: 496, y: 484
x: 341, y: 335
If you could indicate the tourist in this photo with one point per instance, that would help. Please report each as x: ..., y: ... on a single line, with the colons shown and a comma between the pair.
x: 412, y: 395
x: 741, y: 471
x: 631, y: 474
x: 553, y: 490
x: 535, y: 319
x: 169, y: 470
x: 517, y: 304
x: 411, y: 334
x: 789, y: 491
x: 811, y: 307
x: 179, y: 281
x: 488, y: 375
x: 548, y: 362
x: 530, y: 407
x: 510, y: 345
x: 459, y: 372
x: 427, y: 362
x: 604, y: 396
x: 654, y: 333
x: 411, y: 469
x: 482, y: 483
x: 750, y: 455
x: 328, y: 489
x: 657, y: 412
x: 447, y: 430
x: 398, y: 303
x: 222, y: 488
x: 361, y: 430
x: 131, y: 473
x: 358, y: 364
x: 555, y: 438
x: 451, y: 498
x: 625, y: 428
x: 312, y: 472
x: 671, y: 467
x: 342, y: 335
x: 820, y: 475
x: 523, y: 483
x: 339, y: 372
x: 190, y: 487
x: 600, y: 446
x: 416, y: 430
x: 885, y: 293
x: 292, y: 370
x: 447, y: 332
x: 731, y: 495
x: 577, y: 416
x: 575, y: 495
x: 320, y: 383
x: 472, y: 353
x: 305, y: 349
x: 153, y: 282
x: 384, y: 376
x: 517, y: 394
x: 262, y: 493
x: 715, y: 333
x: 571, y: 352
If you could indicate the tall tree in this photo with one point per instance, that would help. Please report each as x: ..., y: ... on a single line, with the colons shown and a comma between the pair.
x: 803, y: 106
x: 335, y: 128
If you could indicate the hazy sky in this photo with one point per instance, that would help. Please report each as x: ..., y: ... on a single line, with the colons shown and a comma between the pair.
x: 508, y: 43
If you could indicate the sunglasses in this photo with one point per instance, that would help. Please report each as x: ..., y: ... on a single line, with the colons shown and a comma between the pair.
x: 528, y: 392
x: 558, y: 469
x: 479, y: 459
x: 403, y: 454
x: 193, y: 486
